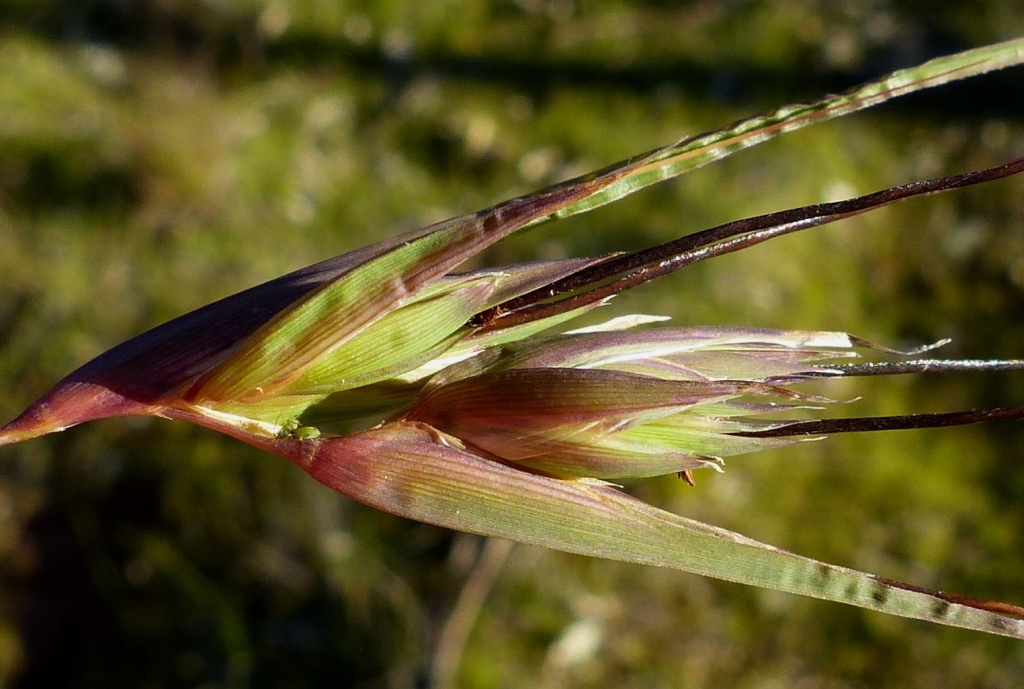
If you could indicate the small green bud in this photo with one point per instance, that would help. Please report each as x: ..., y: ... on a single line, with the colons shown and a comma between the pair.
x: 293, y: 429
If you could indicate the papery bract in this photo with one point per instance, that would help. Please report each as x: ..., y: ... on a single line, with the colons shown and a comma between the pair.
x: 625, y: 404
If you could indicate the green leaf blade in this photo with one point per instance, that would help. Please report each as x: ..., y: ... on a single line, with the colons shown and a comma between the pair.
x: 415, y: 472
x: 691, y: 153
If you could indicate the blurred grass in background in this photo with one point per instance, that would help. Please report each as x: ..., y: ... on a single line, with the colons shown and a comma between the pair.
x: 157, y: 155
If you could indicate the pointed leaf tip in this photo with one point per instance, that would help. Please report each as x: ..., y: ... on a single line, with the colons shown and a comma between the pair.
x: 69, y: 403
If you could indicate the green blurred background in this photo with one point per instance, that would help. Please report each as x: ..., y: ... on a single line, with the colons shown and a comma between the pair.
x: 156, y: 155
